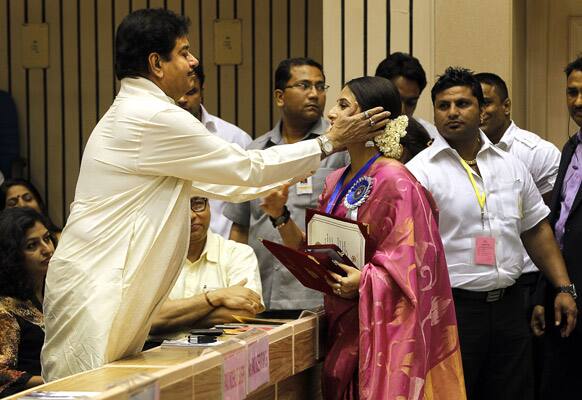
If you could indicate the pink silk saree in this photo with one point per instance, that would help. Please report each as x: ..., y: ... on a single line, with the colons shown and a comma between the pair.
x: 399, y: 340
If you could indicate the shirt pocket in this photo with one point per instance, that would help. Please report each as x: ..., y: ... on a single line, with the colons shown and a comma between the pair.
x: 507, y: 197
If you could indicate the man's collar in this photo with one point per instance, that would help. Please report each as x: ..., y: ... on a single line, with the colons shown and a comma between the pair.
x: 211, y: 248
x: 140, y: 85
x: 317, y: 129
x: 207, y: 119
x: 508, y: 136
x: 440, y: 144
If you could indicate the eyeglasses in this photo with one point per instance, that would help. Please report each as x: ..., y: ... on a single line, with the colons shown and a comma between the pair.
x: 320, y: 87
x: 198, y: 204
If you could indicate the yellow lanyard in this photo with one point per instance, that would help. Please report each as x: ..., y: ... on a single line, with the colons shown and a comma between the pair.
x: 480, y: 195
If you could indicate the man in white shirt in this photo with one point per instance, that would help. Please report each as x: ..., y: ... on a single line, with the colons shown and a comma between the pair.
x: 219, y: 278
x: 489, y: 206
x: 127, y: 235
x: 192, y: 102
x: 407, y: 74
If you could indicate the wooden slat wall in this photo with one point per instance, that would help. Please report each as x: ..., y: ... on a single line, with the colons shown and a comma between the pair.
x: 59, y: 106
x: 358, y: 34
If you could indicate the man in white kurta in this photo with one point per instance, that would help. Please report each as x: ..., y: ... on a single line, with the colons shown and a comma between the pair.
x: 127, y: 234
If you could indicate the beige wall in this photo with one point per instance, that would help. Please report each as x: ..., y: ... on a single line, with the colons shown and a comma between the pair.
x: 549, y: 40
x: 485, y: 36
x: 59, y: 106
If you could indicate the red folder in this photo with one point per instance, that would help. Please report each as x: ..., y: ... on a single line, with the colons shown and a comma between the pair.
x: 310, y: 265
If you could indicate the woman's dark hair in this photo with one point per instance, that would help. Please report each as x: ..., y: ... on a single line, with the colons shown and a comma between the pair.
x: 374, y: 91
x: 27, y: 184
x: 14, y: 223
x: 416, y: 139
x: 144, y: 32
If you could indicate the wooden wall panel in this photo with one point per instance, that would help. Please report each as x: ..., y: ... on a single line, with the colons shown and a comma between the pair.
x: 4, y: 46
x: 262, y: 99
x: 245, y: 76
x: 36, y: 105
x: 226, y: 73
x: 54, y: 117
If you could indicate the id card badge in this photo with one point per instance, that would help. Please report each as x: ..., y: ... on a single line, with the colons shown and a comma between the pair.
x: 484, y: 251
x: 305, y: 186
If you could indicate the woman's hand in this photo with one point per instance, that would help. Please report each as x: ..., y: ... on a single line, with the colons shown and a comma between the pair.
x: 346, y: 286
x: 274, y: 202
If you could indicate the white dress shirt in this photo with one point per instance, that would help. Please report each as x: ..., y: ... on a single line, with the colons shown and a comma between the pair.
x: 127, y: 235
x: 232, y: 134
x: 513, y: 205
x: 540, y: 157
x: 223, y: 263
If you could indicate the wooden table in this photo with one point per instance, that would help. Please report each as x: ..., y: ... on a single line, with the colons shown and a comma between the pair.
x: 197, y: 373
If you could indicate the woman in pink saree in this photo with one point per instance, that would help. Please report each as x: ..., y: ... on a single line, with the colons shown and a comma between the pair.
x: 392, y: 332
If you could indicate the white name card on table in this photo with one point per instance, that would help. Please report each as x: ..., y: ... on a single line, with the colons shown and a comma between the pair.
x: 235, y: 373
x: 148, y: 392
x: 258, y: 359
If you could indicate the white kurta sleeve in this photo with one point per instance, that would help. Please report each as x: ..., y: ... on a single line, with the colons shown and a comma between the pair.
x: 176, y: 144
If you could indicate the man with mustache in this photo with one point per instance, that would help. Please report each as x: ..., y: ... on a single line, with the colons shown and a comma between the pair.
x: 300, y: 96
x: 562, y: 368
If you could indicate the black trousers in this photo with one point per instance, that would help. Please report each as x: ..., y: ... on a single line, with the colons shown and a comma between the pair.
x: 495, y: 346
x: 562, y: 373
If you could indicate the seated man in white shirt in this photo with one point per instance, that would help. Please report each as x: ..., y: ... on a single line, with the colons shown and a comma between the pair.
x: 219, y: 279
x: 192, y: 102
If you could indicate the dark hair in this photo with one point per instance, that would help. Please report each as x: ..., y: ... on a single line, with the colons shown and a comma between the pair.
x: 374, y: 91
x: 494, y: 80
x: 14, y: 222
x: 32, y: 189
x: 143, y: 32
x: 402, y: 64
x: 458, y: 76
x: 416, y: 139
x: 575, y: 65
x: 283, y: 71
x: 199, y: 71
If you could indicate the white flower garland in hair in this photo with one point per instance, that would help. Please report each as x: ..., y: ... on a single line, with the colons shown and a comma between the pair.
x: 389, y: 141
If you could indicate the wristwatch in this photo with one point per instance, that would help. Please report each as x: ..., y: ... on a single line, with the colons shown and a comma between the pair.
x: 570, y: 289
x: 281, y: 220
x: 325, y: 145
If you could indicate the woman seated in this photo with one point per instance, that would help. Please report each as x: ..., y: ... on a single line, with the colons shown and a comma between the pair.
x: 22, y: 193
x: 26, y: 247
x: 406, y: 343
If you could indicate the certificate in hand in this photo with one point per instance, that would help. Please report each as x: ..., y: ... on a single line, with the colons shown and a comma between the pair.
x: 350, y: 236
x: 311, y: 265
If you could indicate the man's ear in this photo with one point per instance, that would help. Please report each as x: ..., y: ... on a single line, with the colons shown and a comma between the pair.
x: 278, y: 96
x: 507, y: 107
x: 155, y: 65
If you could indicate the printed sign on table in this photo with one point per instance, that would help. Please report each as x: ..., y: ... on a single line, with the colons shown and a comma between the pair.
x: 235, y: 375
x: 258, y: 359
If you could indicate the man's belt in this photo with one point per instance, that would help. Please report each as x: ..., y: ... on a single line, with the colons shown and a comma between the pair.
x: 488, y: 297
